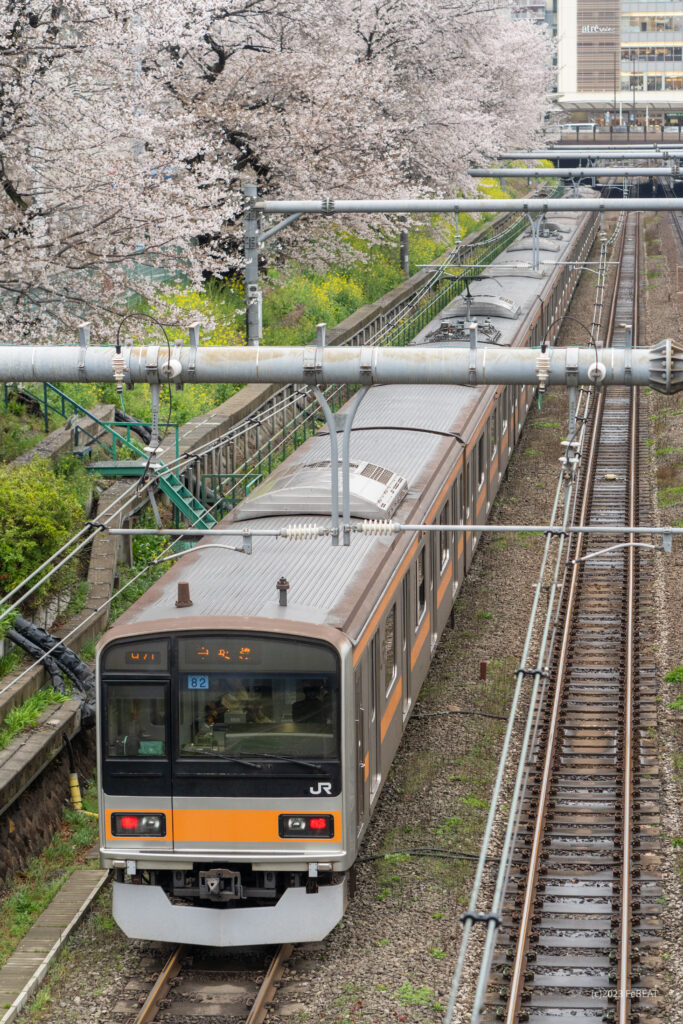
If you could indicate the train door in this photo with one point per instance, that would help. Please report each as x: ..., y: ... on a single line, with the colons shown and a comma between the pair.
x: 467, y: 507
x: 404, y: 663
x: 495, y: 471
x: 375, y: 719
x: 362, y: 750
x: 505, y: 429
x: 481, y: 488
x: 420, y: 632
x: 391, y: 682
x: 459, y: 538
x: 442, y: 570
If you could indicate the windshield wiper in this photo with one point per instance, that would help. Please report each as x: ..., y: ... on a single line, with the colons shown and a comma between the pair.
x: 217, y: 756
x: 261, y: 762
x: 295, y: 760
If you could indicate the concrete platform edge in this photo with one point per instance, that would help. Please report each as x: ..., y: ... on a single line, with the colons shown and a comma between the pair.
x: 36, y: 978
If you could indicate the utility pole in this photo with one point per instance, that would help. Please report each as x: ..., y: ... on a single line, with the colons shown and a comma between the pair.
x: 404, y: 251
x: 252, y: 293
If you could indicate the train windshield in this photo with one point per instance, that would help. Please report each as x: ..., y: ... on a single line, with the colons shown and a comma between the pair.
x: 250, y: 698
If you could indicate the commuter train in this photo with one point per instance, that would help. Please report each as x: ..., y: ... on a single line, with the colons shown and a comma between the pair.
x: 245, y: 728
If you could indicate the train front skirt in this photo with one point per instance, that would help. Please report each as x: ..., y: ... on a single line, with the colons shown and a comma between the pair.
x: 145, y: 912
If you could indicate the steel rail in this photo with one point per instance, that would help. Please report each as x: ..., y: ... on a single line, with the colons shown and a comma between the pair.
x: 624, y: 970
x: 516, y: 989
x: 257, y: 1010
x: 161, y: 986
x: 273, y: 974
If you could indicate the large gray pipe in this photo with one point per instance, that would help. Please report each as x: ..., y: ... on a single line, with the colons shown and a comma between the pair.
x: 595, y: 153
x: 660, y: 367
x: 573, y: 172
x: 337, y: 206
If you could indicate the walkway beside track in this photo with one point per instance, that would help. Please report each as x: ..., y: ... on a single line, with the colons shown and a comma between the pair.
x: 28, y: 965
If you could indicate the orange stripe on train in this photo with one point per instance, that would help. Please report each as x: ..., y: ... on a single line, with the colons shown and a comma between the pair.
x: 238, y: 826
x: 419, y: 643
x: 443, y: 586
x: 391, y: 707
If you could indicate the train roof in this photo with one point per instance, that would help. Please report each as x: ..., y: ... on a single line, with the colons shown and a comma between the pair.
x: 403, y: 434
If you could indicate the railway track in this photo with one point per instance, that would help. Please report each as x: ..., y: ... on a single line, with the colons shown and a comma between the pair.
x: 238, y: 988
x: 676, y: 217
x: 581, y: 903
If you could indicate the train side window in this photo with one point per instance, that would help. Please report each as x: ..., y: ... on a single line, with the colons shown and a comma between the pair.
x: 421, y: 589
x: 390, y: 667
x: 493, y: 434
x: 444, y: 547
x: 481, y: 460
x: 506, y: 400
x: 468, y: 489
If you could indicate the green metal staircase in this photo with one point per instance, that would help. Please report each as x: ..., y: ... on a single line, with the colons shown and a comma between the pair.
x: 103, y: 434
x: 185, y: 502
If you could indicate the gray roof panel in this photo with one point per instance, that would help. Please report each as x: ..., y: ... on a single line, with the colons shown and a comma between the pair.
x: 324, y: 580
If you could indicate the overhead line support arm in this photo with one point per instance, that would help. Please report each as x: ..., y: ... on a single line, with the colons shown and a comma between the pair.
x: 659, y: 367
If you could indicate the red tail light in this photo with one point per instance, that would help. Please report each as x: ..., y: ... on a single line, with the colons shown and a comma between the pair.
x: 304, y: 826
x: 149, y: 825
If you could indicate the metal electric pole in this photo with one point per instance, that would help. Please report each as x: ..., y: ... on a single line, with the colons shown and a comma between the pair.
x: 253, y: 296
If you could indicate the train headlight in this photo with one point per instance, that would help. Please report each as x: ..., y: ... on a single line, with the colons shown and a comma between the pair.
x: 303, y: 826
x: 130, y: 824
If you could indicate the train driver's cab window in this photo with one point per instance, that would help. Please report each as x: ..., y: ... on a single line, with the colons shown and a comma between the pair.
x: 243, y: 698
x: 135, y: 720
x: 390, y: 667
x: 421, y: 585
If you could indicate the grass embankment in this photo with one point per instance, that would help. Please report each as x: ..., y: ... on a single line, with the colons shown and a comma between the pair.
x: 31, y: 891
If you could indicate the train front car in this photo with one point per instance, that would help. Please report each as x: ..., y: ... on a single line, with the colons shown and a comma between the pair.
x: 221, y: 802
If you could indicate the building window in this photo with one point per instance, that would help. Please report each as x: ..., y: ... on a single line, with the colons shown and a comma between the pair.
x: 652, y: 23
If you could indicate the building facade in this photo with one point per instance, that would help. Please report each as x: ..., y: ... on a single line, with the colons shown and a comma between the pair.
x: 621, y: 60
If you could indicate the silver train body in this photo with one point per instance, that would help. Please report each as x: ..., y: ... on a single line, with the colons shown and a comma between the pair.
x: 243, y: 744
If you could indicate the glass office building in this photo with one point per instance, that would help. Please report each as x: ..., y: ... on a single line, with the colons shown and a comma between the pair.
x: 620, y: 60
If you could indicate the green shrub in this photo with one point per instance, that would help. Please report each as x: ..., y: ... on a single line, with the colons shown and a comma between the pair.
x: 40, y: 507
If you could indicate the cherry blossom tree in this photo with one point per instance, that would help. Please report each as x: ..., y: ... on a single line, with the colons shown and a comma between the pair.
x: 127, y: 128
x: 102, y: 178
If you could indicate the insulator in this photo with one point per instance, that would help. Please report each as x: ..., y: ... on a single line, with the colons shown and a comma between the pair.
x: 379, y: 527
x: 542, y: 370
x: 303, y: 531
x: 118, y: 365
